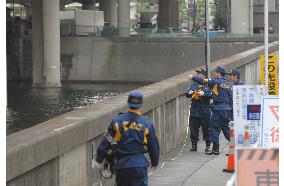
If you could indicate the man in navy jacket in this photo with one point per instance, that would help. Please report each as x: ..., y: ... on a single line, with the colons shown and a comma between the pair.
x: 199, y: 111
x: 135, y: 136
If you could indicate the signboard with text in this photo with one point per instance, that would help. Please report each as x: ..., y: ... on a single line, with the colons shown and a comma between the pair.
x: 272, y: 75
x: 270, y: 122
x: 257, y: 166
x: 247, y: 111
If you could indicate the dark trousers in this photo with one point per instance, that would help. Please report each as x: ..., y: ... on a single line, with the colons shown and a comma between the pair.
x: 195, y: 123
x: 132, y: 177
x: 220, y: 121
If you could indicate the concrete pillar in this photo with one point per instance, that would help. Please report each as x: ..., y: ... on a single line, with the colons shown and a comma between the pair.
x: 271, y: 5
x: 46, y: 43
x: 62, y: 5
x: 168, y: 13
x: 51, y: 23
x: 123, y: 18
x: 240, y: 17
x: 113, y: 10
x: 88, y: 4
x: 110, y: 11
x: 37, y: 43
x: 251, y: 17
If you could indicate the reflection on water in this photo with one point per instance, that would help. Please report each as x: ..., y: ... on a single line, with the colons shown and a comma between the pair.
x: 28, y: 106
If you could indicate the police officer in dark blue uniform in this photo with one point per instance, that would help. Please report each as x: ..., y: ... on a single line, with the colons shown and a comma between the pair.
x: 135, y: 136
x: 199, y: 111
x: 222, y: 104
x: 234, y: 77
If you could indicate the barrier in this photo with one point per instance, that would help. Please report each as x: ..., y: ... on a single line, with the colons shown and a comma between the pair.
x: 246, y: 138
x: 230, y: 165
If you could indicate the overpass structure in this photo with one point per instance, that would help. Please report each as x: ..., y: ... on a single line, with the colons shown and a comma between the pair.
x: 61, y: 151
x: 46, y: 43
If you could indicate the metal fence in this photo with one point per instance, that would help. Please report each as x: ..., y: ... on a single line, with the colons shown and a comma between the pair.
x: 111, y: 31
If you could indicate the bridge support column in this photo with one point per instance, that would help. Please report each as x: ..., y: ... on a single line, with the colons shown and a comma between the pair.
x: 88, y: 4
x: 123, y: 18
x: 241, y: 23
x: 110, y: 11
x: 168, y: 13
x: 62, y: 5
x: 46, y: 44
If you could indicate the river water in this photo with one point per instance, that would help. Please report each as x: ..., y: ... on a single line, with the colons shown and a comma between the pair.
x: 27, y: 106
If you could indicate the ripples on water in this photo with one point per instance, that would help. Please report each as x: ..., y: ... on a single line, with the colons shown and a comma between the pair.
x: 28, y: 106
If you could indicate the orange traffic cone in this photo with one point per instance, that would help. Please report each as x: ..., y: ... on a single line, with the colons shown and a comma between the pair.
x: 246, y: 138
x: 230, y: 165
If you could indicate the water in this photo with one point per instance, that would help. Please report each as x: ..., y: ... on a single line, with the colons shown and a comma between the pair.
x: 28, y: 106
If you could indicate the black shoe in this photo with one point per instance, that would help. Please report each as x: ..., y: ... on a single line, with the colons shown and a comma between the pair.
x: 207, y: 149
x: 215, y: 149
x: 194, y: 146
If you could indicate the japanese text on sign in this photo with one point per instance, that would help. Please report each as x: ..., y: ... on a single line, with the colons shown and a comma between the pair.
x: 247, y: 108
x: 272, y: 73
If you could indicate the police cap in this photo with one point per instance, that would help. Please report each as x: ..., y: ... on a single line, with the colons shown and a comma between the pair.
x: 235, y: 72
x: 201, y: 71
x: 135, y: 99
x: 220, y: 69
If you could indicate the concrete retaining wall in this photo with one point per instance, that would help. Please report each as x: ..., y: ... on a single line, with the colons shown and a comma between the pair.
x: 141, y: 59
x: 61, y: 151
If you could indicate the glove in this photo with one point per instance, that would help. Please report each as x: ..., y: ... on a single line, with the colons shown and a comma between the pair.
x: 195, y: 95
x: 200, y: 93
x: 190, y: 92
x: 96, y: 165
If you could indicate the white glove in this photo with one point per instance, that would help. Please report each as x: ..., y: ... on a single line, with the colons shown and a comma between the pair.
x: 96, y: 165
x: 200, y: 93
x: 190, y: 76
x: 190, y: 92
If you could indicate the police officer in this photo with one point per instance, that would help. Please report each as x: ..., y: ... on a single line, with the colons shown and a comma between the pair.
x: 135, y: 136
x: 234, y: 77
x: 199, y: 111
x: 221, y: 110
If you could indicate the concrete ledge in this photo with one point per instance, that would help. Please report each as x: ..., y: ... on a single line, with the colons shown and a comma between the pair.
x: 245, y: 57
x: 30, y: 148
x: 177, y: 39
x: 193, y: 39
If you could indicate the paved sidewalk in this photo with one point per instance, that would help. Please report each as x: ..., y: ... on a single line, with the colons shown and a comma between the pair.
x: 193, y: 168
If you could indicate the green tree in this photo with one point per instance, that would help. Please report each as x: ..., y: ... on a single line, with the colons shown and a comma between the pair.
x: 183, y: 15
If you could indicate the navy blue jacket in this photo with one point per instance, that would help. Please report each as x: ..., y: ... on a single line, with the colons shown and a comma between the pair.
x: 221, y: 92
x: 200, y: 105
x: 132, y: 141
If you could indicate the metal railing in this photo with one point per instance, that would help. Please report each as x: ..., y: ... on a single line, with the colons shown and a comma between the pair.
x: 111, y: 31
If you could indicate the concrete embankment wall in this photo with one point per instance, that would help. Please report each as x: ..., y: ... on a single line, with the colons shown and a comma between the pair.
x: 61, y: 151
x: 141, y: 59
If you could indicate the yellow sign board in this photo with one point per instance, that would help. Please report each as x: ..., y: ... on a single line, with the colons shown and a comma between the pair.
x: 272, y: 73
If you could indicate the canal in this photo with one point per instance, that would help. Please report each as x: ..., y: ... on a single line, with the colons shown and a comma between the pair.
x: 27, y: 106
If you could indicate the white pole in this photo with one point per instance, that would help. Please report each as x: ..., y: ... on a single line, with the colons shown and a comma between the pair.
x: 251, y: 17
x: 207, y: 39
x: 266, y: 44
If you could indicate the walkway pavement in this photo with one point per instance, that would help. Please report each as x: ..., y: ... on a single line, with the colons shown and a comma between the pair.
x: 193, y: 168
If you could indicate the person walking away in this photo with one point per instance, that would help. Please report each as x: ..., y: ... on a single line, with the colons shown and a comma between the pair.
x: 135, y: 135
